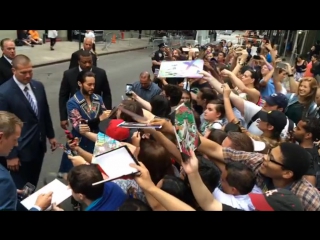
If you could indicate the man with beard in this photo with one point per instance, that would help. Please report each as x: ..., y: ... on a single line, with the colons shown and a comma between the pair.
x: 69, y: 85
x: 84, y: 107
x: 306, y: 133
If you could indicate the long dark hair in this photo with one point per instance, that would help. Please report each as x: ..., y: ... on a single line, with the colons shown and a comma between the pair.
x: 83, y: 75
x: 160, y: 106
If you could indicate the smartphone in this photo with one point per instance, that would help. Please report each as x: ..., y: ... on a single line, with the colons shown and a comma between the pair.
x: 256, y: 57
x: 129, y: 90
x: 156, y: 71
x: 282, y: 65
x: 83, y: 121
x: 27, y: 190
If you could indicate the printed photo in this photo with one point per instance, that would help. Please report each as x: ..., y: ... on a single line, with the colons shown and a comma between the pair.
x: 105, y: 144
x: 186, y: 129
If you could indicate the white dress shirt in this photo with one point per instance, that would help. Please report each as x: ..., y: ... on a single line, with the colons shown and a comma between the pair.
x: 10, y: 61
x: 80, y: 69
x: 22, y: 87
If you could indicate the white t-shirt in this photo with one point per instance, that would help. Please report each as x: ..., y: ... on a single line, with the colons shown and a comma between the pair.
x: 240, y: 202
x: 217, y: 125
x: 208, y: 126
x: 250, y: 109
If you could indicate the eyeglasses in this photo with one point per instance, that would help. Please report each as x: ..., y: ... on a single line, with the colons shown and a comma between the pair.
x: 271, y: 159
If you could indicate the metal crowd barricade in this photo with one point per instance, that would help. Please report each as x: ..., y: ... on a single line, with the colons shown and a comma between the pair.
x: 172, y: 42
x: 107, y: 37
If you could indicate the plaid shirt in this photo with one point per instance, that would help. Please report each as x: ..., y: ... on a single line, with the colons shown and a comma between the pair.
x: 309, y: 195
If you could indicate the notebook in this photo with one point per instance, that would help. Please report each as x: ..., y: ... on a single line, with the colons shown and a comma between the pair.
x: 115, y: 163
x: 60, y: 193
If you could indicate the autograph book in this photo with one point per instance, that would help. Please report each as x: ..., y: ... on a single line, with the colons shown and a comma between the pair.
x: 115, y: 163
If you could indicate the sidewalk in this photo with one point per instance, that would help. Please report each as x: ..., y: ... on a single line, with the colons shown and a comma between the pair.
x: 41, y: 55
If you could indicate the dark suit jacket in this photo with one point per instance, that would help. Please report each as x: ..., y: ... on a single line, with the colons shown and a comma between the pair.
x: 34, y: 131
x: 69, y: 86
x: 5, y: 70
x: 74, y: 61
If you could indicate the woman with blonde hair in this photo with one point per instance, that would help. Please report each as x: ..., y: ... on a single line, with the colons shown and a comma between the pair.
x: 301, y: 100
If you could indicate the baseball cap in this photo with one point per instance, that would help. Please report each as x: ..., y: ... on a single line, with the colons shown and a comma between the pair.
x: 276, y: 200
x: 110, y: 128
x: 275, y: 118
x: 278, y: 99
x: 162, y: 45
x: 258, y: 146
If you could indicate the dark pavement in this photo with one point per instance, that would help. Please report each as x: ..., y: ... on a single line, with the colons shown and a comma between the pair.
x: 121, y: 68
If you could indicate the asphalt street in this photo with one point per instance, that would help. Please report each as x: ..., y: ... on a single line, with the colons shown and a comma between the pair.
x: 121, y: 68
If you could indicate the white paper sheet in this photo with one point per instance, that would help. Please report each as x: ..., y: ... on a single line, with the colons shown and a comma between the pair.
x: 181, y: 69
x: 60, y: 193
x: 116, y: 163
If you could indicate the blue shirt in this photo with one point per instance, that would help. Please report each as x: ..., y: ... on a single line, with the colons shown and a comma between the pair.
x: 146, y: 93
x: 269, y: 58
x: 8, y: 191
x: 268, y: 90
x: 111, y: 199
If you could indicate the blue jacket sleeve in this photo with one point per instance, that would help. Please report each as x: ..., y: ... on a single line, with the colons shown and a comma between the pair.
x: 73, y: 110
x: 8, y: 191
x: 4, y: 106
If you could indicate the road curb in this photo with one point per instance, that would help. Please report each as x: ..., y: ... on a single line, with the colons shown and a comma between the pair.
x: 101, y: 54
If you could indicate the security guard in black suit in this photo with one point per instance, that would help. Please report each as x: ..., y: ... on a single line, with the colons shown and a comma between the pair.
x: 158, y: 57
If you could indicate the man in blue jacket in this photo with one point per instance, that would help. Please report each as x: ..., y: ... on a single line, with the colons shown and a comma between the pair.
x: 10, y: 130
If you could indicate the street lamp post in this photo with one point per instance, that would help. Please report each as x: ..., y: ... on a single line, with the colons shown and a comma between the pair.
x: 79, y: 39
x: 286, y: 45
x: 304, y: 41
x: 294, y: 49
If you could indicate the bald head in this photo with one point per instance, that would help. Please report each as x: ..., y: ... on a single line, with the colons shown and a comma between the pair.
x: 145, y: 80
x: 145, y: 74
x: 20, y: 60
x: 22, y: 68
x: 87, y: 44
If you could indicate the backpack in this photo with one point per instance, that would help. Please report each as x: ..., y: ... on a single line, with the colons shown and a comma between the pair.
x: 256, y: 116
